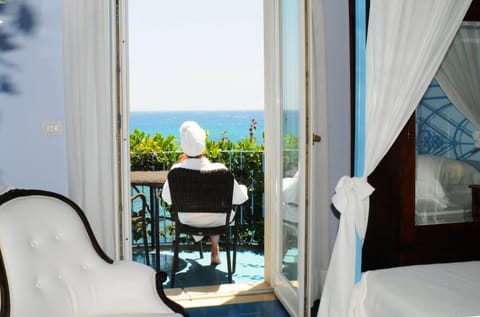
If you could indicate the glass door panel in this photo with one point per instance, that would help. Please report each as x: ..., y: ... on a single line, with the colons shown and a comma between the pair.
x: 290, y: 231
x: 290, y: 93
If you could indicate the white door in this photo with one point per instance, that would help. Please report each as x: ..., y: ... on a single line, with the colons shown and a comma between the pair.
x: 286, y: 112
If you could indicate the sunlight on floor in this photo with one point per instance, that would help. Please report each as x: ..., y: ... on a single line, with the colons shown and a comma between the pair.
x: 215, y: 295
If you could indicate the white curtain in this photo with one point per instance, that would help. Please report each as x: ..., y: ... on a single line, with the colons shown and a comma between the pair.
x: 89, y: 114
x: 407, y: 40
x: 459, y: 74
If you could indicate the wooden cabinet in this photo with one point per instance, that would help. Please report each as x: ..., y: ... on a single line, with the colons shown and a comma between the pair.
x: 475, y: 201
x: 392, y: 239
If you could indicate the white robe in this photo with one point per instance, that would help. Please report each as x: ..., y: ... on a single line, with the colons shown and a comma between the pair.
x: 206, y: 220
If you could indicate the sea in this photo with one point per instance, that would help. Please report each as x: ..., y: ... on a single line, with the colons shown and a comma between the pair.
x: 234, y: 124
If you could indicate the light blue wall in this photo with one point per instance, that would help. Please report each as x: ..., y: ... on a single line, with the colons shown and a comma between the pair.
x: 338, y: 92
x: 28, y: 157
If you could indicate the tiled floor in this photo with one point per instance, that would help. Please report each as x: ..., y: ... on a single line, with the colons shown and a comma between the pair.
x: 194, y: 271
x: 255, y: 309
x: 204, y: 290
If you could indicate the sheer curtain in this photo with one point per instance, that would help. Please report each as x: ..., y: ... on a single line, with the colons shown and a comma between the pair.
x: 459, y: 74
x: 89, y: 114
x: 406, y: 43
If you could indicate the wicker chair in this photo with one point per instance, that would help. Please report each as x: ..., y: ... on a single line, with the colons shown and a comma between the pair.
x: 203, y: 191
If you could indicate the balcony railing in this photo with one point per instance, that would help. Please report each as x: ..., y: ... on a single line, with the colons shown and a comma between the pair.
x: 248, y: 168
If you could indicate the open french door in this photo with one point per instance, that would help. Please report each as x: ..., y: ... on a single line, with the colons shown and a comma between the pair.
x: 287, y: 145
x: 287, y: 151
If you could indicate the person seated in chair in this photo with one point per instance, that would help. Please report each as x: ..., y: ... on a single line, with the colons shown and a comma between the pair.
x: 192, y: 140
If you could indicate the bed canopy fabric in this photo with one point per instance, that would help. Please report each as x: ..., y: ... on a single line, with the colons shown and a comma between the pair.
x: 459, y: 74
x: 407, y: 41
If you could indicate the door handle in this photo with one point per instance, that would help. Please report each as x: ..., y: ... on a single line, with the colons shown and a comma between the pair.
x: 316, y: 138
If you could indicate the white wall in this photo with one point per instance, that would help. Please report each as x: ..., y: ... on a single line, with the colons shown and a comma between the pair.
x: 28, y: 157
x: 330, y: 88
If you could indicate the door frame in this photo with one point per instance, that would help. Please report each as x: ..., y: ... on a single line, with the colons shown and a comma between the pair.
x: 273, y: 166
x: 295, y: 302
x: 123, y: 120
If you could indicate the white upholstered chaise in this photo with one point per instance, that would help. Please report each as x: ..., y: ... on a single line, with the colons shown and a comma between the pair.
x: 52, y: 266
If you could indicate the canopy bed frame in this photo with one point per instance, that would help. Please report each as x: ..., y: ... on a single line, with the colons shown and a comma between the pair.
x: 393, y: 238
x: 407, y: 41
x: 412, y: 268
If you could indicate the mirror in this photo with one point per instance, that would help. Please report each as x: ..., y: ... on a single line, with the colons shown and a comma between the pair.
x: 290, y: 93
x: 448, y: 136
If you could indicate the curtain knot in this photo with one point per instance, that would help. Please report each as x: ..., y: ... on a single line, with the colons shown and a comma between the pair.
x: 351, y: 200
x: 350, y: 190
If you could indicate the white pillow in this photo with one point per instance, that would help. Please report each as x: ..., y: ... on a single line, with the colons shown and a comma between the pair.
x: 427, y: 184
x: 431, y: 193
x: 444, y: 181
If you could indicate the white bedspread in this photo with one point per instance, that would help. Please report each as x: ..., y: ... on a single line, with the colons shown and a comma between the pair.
x: 451, y: 289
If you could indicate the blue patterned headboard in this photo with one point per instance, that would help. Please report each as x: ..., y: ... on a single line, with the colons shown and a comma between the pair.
x: 442, y: 130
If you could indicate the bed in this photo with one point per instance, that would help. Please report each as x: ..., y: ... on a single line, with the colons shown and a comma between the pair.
x: 442, y: 194
x: 448, y: 289
x: 399, y: 278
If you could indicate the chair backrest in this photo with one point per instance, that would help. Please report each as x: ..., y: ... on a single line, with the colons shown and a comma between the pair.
x: 52, y: 266
x: 45, y: 248
x: 201, y: 191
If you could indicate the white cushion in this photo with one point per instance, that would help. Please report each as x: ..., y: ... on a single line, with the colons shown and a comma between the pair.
x: 442, y: 182
x: 53, y: 270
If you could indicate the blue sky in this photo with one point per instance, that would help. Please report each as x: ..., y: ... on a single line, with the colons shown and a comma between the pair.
x: 196, y: 54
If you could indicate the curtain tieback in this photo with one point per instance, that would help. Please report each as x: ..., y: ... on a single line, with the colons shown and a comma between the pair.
x: 351, y: 200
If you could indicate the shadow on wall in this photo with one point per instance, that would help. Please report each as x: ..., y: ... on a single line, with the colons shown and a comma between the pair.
x: 18, y: 20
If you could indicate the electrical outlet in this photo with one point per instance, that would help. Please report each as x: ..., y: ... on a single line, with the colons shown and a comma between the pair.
x: 52, y: 128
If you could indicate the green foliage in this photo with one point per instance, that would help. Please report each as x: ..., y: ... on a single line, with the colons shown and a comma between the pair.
x: 245, y: 159
x: 157, y: 153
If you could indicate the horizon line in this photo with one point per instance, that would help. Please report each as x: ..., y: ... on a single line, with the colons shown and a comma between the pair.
x: 191, y: 110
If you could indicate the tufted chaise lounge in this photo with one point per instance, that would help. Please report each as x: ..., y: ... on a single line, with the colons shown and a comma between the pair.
x: 52, y: 266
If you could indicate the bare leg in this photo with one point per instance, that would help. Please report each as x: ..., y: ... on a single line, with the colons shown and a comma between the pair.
x: 215, y: 250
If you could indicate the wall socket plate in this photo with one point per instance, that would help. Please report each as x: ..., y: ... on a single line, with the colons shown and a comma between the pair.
x: 52, y: 128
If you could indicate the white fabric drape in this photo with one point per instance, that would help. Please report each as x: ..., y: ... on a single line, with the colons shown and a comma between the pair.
x: 459, y: 74
x: 406, y: 43
x: 89, y: 113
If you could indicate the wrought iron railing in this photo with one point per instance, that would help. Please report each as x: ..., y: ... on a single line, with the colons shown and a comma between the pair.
x: 248, y: 168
